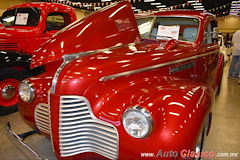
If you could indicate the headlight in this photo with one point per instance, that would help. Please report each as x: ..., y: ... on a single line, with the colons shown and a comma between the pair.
x: 26, y: 91
x: 137, y: 122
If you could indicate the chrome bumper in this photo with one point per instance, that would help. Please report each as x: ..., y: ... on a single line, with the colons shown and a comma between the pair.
x: 18, y: 142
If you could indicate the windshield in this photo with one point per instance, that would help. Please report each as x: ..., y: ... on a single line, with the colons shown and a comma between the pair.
x: 180, y: 28
x: 21, y: 17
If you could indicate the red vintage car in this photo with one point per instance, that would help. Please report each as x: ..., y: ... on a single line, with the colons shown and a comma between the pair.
x: 23, y: 29
x: 126, y: 89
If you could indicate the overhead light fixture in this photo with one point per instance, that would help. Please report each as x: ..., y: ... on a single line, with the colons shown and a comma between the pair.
x: 155, y: 4
x: 233, y: 13
x: 161, y: 6
x: 105, y: 0
x: 87, y: 5
x: 198, y: 7
x: 97, y: 7
x: 193, y: 1
x: 196, y: 4
x: 235, y: 1
x: 149, y: 0
x: 235, y: 6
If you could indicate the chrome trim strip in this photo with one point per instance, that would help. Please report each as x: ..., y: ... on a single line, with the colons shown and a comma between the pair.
x: 127, y: 73
x: 181, y: 67
x: 20, y: 144
x: 69, y: 57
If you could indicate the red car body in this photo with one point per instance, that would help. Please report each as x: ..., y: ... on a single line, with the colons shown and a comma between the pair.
x: 81, y: 100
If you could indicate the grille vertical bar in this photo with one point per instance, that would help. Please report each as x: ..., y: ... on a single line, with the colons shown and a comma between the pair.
x: 80, y: 131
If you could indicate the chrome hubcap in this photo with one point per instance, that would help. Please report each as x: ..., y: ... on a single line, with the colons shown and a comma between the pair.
x: 8, y: 92
x: 199, y: 144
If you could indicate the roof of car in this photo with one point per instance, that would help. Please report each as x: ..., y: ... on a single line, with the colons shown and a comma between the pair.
x: 42, y: 5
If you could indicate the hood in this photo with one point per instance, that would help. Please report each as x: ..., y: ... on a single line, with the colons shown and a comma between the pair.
x: 86, y: 70
x: 113, y: 25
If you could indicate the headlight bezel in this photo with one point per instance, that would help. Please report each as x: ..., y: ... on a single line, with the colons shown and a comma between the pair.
x: 145, y: 113
x: 30, y: 90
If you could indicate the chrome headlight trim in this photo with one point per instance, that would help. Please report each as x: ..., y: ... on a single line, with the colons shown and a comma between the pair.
x: 26, y: 91
x: 140, y: 118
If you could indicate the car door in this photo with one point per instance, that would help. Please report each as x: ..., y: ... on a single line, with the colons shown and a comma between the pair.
x: 207, y: 57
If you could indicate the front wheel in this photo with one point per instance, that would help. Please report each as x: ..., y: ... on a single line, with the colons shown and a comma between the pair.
x: 9, y: 81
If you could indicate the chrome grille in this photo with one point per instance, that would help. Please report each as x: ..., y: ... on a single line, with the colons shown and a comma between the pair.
x: 80, y: 131
x: 42, y: 117
x: 8, y: 45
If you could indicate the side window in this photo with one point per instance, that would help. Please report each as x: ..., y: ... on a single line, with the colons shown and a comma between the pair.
x: 57, y: 21
x: 209, y: 33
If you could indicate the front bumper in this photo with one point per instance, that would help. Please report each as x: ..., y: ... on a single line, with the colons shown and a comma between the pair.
x: 19, y: 143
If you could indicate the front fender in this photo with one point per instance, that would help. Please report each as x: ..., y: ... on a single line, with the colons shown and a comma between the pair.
x: 179, y: 109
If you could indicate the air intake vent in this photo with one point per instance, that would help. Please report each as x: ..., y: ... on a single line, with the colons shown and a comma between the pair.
x: 5, y: 46
x: 80, y: 131
x: 42, y: 117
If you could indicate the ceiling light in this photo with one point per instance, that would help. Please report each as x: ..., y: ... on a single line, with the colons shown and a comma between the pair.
x: 97, y: 7
x: 154, y: 4
x: 88, y: 5
x: 149, y: 0
x: 193, y: 1
x: 198, y: 7
x: 161, y: 6
x: 196, y: 4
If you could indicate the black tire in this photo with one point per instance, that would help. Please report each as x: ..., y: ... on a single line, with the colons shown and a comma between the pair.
x: 14, y: 77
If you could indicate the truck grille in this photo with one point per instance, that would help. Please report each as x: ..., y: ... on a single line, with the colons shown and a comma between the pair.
x: 42, y: 117
x: 80, y: 131
x: 10, y: 45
